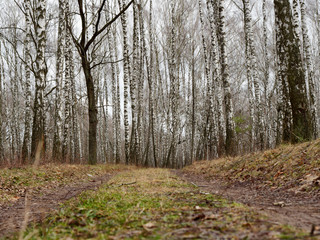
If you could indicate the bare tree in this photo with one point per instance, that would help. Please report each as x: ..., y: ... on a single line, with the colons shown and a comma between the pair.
x: 84, y: 47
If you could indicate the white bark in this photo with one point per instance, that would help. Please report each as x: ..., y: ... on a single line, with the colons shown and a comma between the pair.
x: 59, y: 80
x: 217, y: 84
x: 230, y: 126
x: 67, y: 95
x: 126, y: 81
x: 27, y: 65
x: 38, y: 132
x: 257, y: 133
x: 309, y: 74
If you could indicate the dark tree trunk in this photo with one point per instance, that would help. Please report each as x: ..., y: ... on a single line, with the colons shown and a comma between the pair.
x: 291, y: 75
x: 92, y: 111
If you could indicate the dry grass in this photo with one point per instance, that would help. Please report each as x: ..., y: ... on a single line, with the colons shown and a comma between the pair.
x: 288, y: 165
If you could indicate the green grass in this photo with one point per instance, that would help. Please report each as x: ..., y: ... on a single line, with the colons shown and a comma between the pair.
x: 153, y: 204
x: 14, y: 181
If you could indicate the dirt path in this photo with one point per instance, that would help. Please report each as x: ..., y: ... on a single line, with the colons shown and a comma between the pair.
x: 39, y: 205
x: 281, y: 206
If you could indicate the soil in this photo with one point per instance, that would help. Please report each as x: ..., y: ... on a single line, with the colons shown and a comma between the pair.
x: 39, y: 205
x: 282, y: 206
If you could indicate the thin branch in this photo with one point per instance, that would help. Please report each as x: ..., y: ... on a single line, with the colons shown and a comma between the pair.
x: 97, y: 33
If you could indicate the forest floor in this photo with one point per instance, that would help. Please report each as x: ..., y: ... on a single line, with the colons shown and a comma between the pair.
x: 41, y: 190
x: 143, y: 204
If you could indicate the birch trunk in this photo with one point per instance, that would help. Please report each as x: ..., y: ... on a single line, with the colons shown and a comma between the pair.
x: 152, y: 89
x: 310, y: 73
x: 28, y: 110
x: 67, y: 98
x: 230, y: 126
x: 292, y: 77
x: 59, y: 80
x: 134, y: 154
x: 126, y: 82
x: 252, y: 70
x: 40, y: 78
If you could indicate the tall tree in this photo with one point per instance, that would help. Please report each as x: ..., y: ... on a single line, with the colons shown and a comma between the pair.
x: 310, y: 78
x: 291, y: 77
x: 216, y: 75
x: 27, y: 64
x: 84, y: 47
x: 126, y: 81
x: 56, y: 151
x: 38, y: 129
x: 252, y: 74
x: 230, y: 127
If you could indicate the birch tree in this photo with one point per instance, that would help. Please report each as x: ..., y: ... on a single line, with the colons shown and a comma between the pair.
x: 218, y: 92
x: 230, y: 131
x: 38, y: 130
x: 57, y: 141
x: 27, y: 64
x: 310, y: 79
x: 252, y: 74
x: 291, y: 77
x: 126, y: 82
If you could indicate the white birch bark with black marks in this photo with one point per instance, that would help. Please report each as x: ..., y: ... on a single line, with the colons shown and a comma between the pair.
x: 152, y: 84
x: 252, y: 74
x: 38, y: 130
x: 57, y: 140
x: 27, y: 83
x: 216, y: 75
x: 126, y: 82
x: 230, y: 126
x: 266, y: 80
x: 115, y: 100
x: 67, y: 97
x: 134, y: 154
x: 310, y: 78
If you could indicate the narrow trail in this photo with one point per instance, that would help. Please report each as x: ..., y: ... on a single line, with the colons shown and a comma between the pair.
x: 12, y: 216
x: 301, y: 210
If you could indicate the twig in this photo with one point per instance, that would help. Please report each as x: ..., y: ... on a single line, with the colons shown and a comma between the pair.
x: 126, y: 184
x: 198, y: 185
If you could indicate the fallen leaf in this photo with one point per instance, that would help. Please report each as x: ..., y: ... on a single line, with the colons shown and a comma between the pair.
x: 198, y: 208
x: 149, y: 226
x: 279, y: 204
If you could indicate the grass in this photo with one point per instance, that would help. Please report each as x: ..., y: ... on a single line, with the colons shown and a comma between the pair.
x: 14, y: 181
x: 154, y: 204
x: 288, y: 166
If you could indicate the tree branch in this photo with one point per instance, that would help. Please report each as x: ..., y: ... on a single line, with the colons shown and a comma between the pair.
x: 97, y: 33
